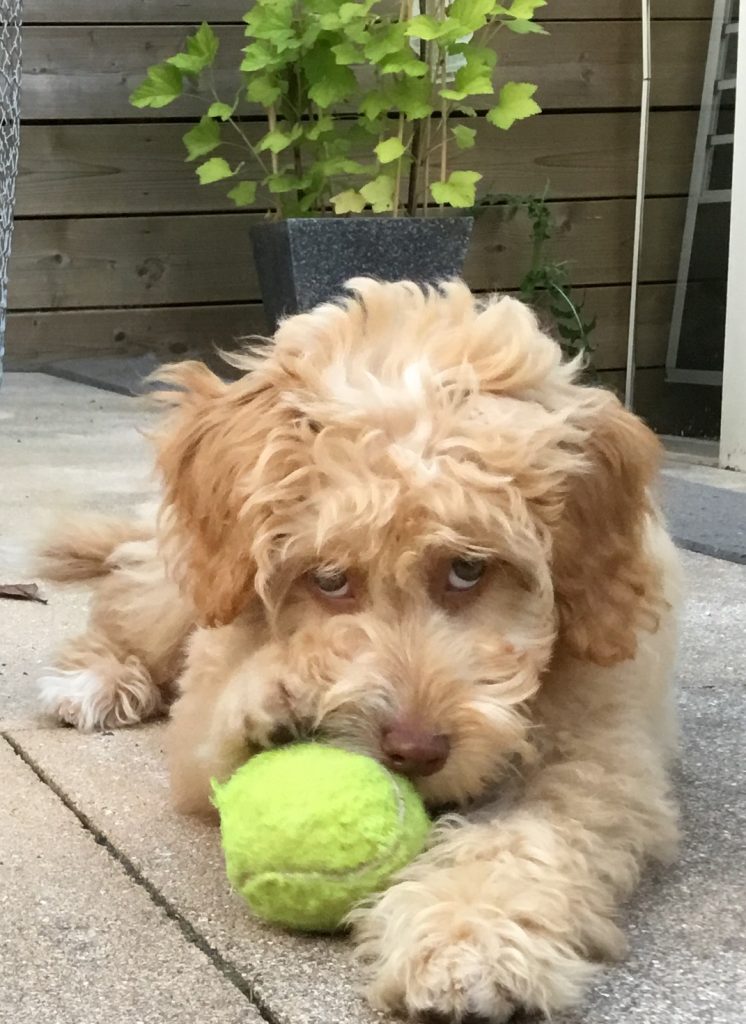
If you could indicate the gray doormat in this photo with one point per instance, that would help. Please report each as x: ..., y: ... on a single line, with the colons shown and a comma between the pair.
x: 710, y: 520
x: 125, y: 376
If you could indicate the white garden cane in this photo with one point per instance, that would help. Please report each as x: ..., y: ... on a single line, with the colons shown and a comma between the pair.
x: 10, y: 78
x: 642, y: 160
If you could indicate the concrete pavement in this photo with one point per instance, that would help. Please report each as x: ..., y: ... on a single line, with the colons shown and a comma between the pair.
x: 119, y: 909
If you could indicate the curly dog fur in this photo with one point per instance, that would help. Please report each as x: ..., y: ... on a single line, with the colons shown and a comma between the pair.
x: 408, y: 514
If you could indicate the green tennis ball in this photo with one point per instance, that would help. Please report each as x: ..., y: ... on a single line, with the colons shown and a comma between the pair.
x: 308, y: 831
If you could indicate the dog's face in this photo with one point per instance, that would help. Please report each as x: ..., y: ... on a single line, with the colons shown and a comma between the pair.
x: 411, y: 501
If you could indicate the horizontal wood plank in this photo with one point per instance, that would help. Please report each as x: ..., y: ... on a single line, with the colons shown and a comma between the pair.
x: 74, y: 170
x: 180, y: 332
x: 35, y: 339
x: 87, y: 72
x: 69, y: 12
x: 609, y: 10
x: 168, y: 260
x: 113, y: 12
x: 610, y: 306
x: 594, y: 237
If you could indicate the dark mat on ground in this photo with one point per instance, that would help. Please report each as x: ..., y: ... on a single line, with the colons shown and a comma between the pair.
x: 124, y: 376
x: 710, y: 520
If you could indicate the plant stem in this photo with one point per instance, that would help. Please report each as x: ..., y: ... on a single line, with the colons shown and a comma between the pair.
x: 443, y: 126
x: 405, y: 12
x: 426, y: 167
x: 234, y: 124
x: 397, y: 180
x: 571, y: 306
x: 414, y: 167
x: 489, y: 36
x: 272, y: 121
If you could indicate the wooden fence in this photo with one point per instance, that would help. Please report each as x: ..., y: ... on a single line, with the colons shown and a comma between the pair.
x: 117, y: 251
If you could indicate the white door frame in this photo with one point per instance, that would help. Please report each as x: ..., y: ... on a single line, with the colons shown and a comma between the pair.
x: 733, y: 419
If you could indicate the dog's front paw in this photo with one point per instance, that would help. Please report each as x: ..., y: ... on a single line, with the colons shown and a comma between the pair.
x: 108, y: 696
x: 257, y: 710
x: 435, y: 946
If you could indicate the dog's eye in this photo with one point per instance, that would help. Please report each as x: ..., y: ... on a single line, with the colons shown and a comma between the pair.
x: 465, y: 573
x: 332, y: 583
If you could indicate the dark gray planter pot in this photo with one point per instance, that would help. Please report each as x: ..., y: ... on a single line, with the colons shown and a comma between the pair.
x: 301, y: 262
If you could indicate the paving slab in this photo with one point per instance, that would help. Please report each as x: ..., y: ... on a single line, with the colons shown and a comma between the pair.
x: 687, y: 925
x: 79, y: 940
x: 687, y: 963
x: 63, y: 447
x: 68, y: 446
x: 117, y: 782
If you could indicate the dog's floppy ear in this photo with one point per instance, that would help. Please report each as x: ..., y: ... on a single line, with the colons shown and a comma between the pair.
x: 606, y: 588
x: 206, y: 450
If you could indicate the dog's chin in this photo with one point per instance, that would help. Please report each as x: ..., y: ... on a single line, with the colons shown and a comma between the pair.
x: 449, y: 790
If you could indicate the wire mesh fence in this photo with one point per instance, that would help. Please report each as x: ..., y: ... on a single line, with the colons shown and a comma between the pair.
x: 10, y: 79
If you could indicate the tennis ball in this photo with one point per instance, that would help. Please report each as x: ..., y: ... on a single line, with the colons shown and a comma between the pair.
x: 309, y: 830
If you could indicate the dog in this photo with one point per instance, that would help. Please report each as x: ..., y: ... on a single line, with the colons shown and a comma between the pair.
x: 410, y: 530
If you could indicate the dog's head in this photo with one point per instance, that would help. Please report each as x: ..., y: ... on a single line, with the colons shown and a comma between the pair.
x: 415, y: 503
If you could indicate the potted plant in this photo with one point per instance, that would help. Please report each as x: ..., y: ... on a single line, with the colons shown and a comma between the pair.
x: 364, y: 108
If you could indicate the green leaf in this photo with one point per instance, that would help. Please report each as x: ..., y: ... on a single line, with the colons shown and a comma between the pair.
x: 475, y: 77
x: 459, y: 190
x: 341, y: 165
x: 277, y: 140
x: 464, y: 136
x: 348, y: 202
x: 412, y: 96
x: 385, y: 39
x: 329, y: 82
x: 350, y: 11
x: 201, y: 50
x: 526, y: 8
x: 244, y: 193
x: 424, y: 26
x: 478, y: 58
x: 263, y: 89
x: 257, y: 56
x: 358, y: 33
x: 273, y: 22
x: 389, y: 149
x: 220, y: 110
x: 278, y: 184
x: 202, y: 139
x: 471, y: 14
x: 374, y: 104
x: 379, y: 193
x: 346, y: 53
x: 523, y: 27
x: 214, y: 169
x: 322, y: 126
x: 189, y: 65
x: 405, y: 62
x: 477, y: 87
x: 514, y: 104
x: 162, y: 86
x: 204, y: 43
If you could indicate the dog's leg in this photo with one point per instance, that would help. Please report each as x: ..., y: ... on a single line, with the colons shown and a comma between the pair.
x: 231, y: 706
x: 121, y: 671
x: 517, y: 912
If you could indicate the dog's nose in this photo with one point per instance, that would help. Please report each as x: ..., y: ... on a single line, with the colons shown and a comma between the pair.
x: 412, y: 750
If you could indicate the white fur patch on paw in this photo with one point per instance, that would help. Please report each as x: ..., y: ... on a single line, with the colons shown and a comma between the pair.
x: 82, y: 698
x: 73, y: 697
